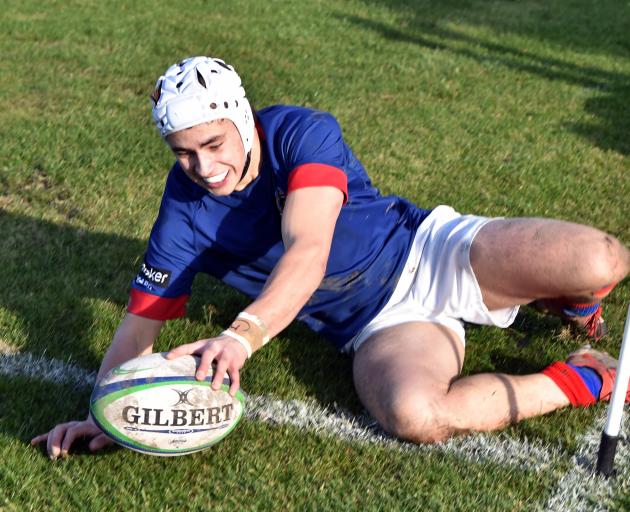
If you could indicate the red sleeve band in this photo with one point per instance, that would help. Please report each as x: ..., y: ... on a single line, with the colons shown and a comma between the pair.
x: 156, y: 308
x: 318, y: 175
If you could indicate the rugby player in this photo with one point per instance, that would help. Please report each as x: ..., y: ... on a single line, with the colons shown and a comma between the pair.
x: 275, y: 204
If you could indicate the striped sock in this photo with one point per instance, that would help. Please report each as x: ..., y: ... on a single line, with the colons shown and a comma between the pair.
x: 576, y: 382
x: 590, y: 377
x: 580, y: 310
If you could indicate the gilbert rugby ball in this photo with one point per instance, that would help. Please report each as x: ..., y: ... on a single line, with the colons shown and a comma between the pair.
x: 156, y: 406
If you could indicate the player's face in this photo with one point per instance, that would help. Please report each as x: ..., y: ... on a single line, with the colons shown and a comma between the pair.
x: 211, y: 154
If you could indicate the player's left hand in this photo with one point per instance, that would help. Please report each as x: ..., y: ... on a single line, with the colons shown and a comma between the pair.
x: 229, y: 355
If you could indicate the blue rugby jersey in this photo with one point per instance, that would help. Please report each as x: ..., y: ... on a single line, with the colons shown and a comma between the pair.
x: 237, y: 238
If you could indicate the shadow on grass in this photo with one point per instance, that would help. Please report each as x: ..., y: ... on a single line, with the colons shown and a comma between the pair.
x: 611, y: 132
x: 425, y: 24
x: 51, y: 272
x: 580, y: 25
x: 35, y: 412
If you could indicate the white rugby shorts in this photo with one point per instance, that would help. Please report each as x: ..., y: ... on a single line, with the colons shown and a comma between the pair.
x: 437, y: 283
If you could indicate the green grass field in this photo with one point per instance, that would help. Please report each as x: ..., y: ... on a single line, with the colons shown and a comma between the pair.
x: 494, y: 107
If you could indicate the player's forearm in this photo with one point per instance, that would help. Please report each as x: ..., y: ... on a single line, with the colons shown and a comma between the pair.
x: 134, y: 337
x: 291, y: 284
x: 308, y: 225
x: 119, y: 351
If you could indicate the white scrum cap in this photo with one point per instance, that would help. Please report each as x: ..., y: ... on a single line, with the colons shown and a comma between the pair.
x: 198, y: 90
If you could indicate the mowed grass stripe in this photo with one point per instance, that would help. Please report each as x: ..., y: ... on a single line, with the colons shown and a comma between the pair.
x: 495, y: 448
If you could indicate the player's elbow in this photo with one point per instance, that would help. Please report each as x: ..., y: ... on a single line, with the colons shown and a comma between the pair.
x: 320, y: 261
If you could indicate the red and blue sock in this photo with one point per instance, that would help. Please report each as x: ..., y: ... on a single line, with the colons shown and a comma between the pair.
x: 581, y: 384
x: 584, y: 309
x: 580, y: 310
x: 590, y: 377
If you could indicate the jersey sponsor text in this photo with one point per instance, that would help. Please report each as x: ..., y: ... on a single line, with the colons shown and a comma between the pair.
x: 150, y: 275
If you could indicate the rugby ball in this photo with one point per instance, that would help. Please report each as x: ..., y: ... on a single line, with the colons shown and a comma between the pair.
x: 156, y: 406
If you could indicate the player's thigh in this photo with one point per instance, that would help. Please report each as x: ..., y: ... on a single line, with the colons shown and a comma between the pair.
x: 518, y: 260
x: 401, y: 372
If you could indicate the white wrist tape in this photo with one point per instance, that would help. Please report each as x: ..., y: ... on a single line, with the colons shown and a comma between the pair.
x: 241, y: 339
x: 258, y: 322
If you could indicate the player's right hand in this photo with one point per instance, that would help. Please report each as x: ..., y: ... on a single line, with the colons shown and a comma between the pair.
x: 229, y: 355
x: 60, y: 439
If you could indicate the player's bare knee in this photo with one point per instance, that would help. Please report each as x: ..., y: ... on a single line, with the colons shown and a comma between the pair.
x: 417, y: 421
x: 607, y: 260
x: 623, y: 255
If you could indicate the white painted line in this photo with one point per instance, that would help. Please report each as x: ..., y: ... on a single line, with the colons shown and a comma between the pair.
x: 42, y: 368
x: 580, y: 489
x: 495, y: 448
x: 489, y: 448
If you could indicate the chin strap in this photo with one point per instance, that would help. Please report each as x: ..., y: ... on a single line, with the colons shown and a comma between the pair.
x: 246, y: 167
